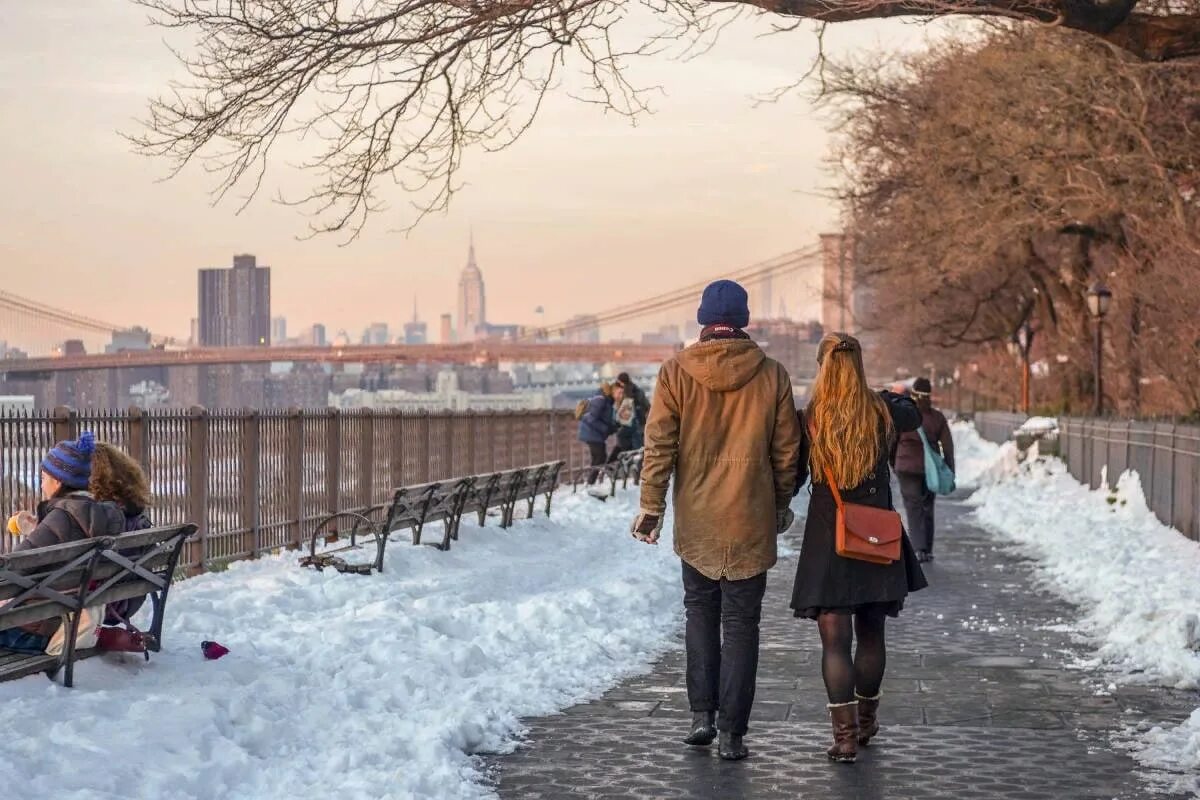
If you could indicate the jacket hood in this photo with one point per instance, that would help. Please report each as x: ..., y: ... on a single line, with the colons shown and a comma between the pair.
x: 722, y: 365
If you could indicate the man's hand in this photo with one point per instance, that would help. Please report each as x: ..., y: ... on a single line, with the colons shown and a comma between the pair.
x: 784, y: 520
x: 646, y: 527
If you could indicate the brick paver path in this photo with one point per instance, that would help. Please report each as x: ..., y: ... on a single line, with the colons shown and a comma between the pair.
x: 979, y: 703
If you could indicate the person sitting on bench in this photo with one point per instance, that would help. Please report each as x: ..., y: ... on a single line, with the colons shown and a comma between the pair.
x: 67, y: 513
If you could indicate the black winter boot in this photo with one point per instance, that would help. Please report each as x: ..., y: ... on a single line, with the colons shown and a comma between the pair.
x: 732, y: 747
x: 704, y: 729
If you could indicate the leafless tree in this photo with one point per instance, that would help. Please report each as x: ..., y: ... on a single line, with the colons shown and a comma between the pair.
x: 398, y: 89
x: 992, y: 182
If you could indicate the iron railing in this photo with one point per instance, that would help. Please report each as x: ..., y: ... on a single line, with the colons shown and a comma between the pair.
x: 1165, y: 456
x: 257, y: 481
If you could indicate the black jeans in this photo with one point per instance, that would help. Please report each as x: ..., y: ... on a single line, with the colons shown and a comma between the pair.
x: 721, y: 674
x: 918, y: 510
x: 599, y: 457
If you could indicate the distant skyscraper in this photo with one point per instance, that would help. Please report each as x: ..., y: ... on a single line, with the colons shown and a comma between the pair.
x: 278, y: 330
x: 235, y: 305
x: 472, y: 309
x: 376, y: 333
x: 447, y: 329
x: 315, y: 335
x: 415, y: 332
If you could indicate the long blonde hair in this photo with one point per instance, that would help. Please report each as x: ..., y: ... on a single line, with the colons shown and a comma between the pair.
x: 844, y: 414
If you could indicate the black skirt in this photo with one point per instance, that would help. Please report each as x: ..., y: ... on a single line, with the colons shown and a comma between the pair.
x: 829, y: 583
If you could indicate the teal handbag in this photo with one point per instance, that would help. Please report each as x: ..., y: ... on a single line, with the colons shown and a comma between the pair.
x: 939, y: 478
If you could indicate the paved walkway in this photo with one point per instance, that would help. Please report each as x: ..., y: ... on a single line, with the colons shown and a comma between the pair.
x: 978, y: 704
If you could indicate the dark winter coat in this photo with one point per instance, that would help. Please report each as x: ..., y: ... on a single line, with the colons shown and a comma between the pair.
x: 72, y: 517
x: 641, y: 408
x: 597, y: 423
x: 909, y: 458
x: 121, y: 610
x: 827, y: 581
x: 69, y: 518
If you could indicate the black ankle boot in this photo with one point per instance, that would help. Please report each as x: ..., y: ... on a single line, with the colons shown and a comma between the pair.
x: 704, y: 729
x: 732, y: 748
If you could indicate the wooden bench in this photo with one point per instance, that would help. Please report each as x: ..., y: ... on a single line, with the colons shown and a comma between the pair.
x: 541, y: 481
x: 414, y: 507
x: 48, y: 582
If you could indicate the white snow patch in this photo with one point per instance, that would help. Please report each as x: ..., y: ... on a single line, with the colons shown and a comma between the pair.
x: 1133, y: 577
x: 366, y: 687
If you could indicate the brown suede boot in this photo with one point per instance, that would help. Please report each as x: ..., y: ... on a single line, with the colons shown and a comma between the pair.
x: 845, y: 732
x: 868, y: 718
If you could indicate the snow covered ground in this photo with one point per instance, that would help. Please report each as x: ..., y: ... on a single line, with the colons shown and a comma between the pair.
x: 363, y: 687
x: 1134, y: 579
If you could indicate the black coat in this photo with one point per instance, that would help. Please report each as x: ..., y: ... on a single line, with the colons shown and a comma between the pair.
x: 72, y: 517
x: 827, y: 581
x: 909, y: 457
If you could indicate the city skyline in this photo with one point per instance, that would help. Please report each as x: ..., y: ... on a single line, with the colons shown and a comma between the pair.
x: 650, y: 207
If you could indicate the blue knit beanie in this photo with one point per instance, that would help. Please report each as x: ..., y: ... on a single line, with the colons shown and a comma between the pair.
x: 71, y: 462
x: 724, y: 303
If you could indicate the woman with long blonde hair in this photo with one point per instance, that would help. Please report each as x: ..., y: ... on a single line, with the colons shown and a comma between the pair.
x: 849, y: 431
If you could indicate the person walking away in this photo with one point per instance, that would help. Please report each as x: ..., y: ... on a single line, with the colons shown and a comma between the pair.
x: 66, y: 513
x: 118, y: 479
x: 723, y: 425
x: 909, y: 464
x: 849, y: 431
x: 595, y: 426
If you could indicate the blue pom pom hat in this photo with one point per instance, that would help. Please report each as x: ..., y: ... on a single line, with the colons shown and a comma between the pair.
x: 71, y: 462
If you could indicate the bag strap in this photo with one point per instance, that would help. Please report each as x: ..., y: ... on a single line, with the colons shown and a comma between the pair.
x: 837, y: 496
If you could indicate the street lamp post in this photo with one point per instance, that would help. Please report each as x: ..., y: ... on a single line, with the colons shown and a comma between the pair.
x: 1098, y: 298
x: 1023, y: 337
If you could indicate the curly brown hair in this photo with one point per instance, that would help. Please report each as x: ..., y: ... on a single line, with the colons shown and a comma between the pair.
x: 117, y: 477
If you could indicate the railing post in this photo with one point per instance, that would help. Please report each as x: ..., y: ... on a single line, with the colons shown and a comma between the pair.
x: 251, y: 446
x: 66, y: 424
x: 426, y: 474
x: 448, y: 454
x: 472, y: 430
x: 366, y: 461
x: 138, y: 444
x: 333, y: 460
x: 396, y: 423
x: 198, y: 462
x: 295, y: 474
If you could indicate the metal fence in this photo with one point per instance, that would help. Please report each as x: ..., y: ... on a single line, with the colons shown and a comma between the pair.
x: 997, y: 426
x: 1165, y: 456
x: 257, y: 481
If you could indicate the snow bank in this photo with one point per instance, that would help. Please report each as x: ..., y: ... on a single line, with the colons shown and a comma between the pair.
x: 364, y: 687
x: 973, y: 455
x: 1133, y: 578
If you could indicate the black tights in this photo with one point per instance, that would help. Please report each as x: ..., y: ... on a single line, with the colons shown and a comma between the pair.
x: 864, y: 672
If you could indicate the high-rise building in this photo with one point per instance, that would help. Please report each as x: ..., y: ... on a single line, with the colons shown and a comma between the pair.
x: 278, y: 330
x: 415, y: 332
x: 235, y: 304
x: 314, y: 336
x: 376, y: 333
x: 472, y: 309
x: 447, y: 329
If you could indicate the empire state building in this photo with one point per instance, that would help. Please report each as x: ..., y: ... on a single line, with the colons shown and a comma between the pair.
x: 471, y: 303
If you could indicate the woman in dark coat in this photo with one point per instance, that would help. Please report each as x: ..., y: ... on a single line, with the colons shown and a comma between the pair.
x: 909, y: 466
x: 597, y: 424
x: 849, y: 430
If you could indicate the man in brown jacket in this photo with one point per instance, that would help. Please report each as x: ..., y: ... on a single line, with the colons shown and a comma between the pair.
x: 723, y: 423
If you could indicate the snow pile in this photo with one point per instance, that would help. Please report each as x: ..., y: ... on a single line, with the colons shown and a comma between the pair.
x: 368, y: 687
x: 1133, y: 578
x: 1174, y: 754
x: 1039, y: 425
x: 973, y: 455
